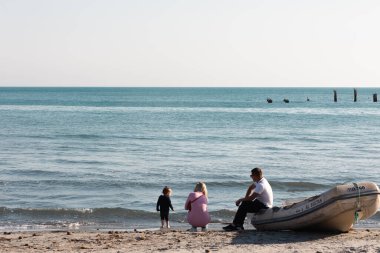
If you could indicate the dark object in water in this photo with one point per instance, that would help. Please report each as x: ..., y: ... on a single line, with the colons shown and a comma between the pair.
x: 375, y: 97
x: 355, y: 95
x: 335, y: 96
x: 307, y: 99
x: 286, y: 100
x: 269, y: 100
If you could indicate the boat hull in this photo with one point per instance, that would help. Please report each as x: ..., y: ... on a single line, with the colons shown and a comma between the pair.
x: 333, y: 210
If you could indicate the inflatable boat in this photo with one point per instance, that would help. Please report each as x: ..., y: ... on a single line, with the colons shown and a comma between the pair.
x: 335, y: 210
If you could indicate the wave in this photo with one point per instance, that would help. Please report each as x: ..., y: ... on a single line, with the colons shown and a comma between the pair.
x: 294, y: 186
x: 228, y: 184
x: 104, y: 213
x: 109, y: 181
x: 97, y: 215
x: 82, y: 161
x: 290, y: 186
x: 363, y: 111
x: 80, y: 136
x: 68, y: 216
x: 46, y: 219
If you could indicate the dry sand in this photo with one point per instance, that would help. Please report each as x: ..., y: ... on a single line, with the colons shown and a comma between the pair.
x: 364, y: 240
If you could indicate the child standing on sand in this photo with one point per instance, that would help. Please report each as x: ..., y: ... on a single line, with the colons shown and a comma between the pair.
x: 163, y: 204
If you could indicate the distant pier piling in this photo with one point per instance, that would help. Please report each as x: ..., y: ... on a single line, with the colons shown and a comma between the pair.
x: 286, y: 100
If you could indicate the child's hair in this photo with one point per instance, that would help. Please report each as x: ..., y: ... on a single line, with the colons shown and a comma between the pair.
x: 167, y: 191
x: 201, y: 187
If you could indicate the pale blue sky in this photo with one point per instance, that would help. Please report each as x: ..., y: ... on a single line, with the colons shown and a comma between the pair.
x: 190, y: 43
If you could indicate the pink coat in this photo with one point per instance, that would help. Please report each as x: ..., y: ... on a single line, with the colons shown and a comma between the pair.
x: 198, y: 216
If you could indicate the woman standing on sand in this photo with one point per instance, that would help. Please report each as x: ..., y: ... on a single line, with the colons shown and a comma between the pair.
x: 196, y: 203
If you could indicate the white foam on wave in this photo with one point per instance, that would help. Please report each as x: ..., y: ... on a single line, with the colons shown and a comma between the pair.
x: 345, y: 111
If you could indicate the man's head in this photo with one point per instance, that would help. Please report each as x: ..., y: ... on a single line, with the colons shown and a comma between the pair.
x: 256, y: 174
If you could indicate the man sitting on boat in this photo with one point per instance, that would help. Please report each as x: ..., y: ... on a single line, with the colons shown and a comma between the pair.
x: 259, y: 196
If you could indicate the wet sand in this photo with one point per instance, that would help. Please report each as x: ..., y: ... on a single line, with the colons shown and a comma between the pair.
x: 358, y: 240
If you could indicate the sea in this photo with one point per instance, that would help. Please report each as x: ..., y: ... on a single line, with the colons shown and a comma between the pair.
x: 98, y: 158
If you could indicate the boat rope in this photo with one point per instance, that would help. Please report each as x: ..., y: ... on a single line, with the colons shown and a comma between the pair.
x: 358, y: 206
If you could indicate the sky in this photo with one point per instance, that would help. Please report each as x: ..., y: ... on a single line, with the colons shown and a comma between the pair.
x: 207, y: 43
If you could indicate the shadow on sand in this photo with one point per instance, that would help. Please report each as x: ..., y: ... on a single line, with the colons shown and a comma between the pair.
x: 278, y: 237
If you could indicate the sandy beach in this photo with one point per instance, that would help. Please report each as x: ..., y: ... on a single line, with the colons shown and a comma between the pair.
x: 358, y: 240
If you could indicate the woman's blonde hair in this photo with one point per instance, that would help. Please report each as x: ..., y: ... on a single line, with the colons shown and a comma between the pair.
x: 201, y: 187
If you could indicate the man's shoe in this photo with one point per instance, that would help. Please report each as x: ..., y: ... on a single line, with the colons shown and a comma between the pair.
x: 240, y: 228
x: 229, y: 228
x: 233, y: 228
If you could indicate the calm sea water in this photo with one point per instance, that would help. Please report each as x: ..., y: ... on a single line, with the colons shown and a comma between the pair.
x: 100, y: 157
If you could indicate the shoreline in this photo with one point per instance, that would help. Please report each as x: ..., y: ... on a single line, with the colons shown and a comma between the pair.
x: 152, y: 226
x: 95, y: 228
x: 179, y: 240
